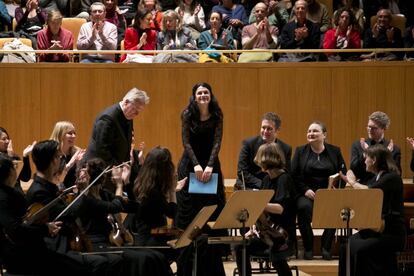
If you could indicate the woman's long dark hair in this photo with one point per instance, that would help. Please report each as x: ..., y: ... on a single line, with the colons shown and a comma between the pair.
x: 193, y: 111
x: 139, y: 15
x: 157, y: 173
x: 383, y: 158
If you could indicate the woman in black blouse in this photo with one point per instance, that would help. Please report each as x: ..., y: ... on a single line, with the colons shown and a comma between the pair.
x: 312, y: 165
x: 372, y: 252
x: 202, y: 131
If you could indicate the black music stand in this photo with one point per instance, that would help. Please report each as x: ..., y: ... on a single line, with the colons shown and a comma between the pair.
x: 242, y: 210
x: 192, y: 232
x: 347, y: 208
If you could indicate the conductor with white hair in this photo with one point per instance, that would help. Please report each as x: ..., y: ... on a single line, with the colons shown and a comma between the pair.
x: 112, y: 131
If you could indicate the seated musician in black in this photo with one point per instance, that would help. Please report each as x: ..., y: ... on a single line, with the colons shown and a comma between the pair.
x: 23, y: 250
x: 47, y: 158
x: 95, y: 207
x: 374, y: 252
x: 280, y: 211
x: 155, y: 190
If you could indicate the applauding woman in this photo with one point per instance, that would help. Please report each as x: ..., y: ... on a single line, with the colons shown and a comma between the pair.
x: 140, y: 36
x: 215, y: 38
x: 373, y: 253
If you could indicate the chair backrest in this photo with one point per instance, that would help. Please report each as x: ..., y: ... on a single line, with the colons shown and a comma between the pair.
x: 73, y: 24
x: 14, y: 24
x: 25, y: 41
x: 398, y: 21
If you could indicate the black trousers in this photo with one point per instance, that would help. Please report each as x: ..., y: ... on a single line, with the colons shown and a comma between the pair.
x: 305, y: 210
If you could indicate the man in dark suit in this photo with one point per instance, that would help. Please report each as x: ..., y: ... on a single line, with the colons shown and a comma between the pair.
x: 253, y: 175
x: 112, y: 132
x: 378, y: 122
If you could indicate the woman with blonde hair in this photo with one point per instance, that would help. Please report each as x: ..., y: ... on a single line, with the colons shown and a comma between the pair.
x: 54, y: 37
x: 64, y: 133
x: 173, y: 35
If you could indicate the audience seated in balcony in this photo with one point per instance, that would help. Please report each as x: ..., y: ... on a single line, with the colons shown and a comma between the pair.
x: 234, y: 17
x: 54, y: 37
x: 353, y: 5
x: 215, y: 38
x: 260, y: 34
x: 383, y: 35
x: 277, y: 14
x: 140, y: 36
x: 173, y: 35
x: 409, y: 42
x: 30, y: 19
x: 300, y: 33
x: 97, y: 34
x: 55, y: 5
x: 156, y: 14
x: 192, y: 15
x: 318, y: 14
x: 115, y: 16
x: 343, y: 36
x: 5, y: 18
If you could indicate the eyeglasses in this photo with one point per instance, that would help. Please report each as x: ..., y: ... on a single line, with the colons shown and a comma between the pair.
x: 97, y: 11
x: 374, y: 128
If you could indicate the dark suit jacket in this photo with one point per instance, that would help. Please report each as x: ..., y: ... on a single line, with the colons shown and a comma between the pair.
x: 310, y: 42
x: 358, y: 160
x: 111, y: 137
x: 253, y: 174
x: 301, y: 157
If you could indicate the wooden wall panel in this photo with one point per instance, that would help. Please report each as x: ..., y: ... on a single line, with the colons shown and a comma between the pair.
x: 342, y: 95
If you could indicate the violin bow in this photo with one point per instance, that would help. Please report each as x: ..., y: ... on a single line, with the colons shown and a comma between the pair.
x: 107, y: 169
x: 82, y: 193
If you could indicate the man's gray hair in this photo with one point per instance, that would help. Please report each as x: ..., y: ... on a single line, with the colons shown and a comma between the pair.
x: 136, y: 95
x: 381, y: 119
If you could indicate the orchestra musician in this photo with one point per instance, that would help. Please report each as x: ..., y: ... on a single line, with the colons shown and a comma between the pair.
x: 155, y: 190
x: 279, y: 212
x: 23, y: 249
x: 47, y: 158
x: 93, y: 211
x: 373, y: 252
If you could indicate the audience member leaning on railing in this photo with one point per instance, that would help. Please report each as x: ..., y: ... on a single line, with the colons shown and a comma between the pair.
x: 409, y: 42
x: 54, y: 37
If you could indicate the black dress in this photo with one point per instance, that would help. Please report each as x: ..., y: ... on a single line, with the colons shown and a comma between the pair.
x: 202, y: 141
x: 24, y: 243
x: 374, y: 253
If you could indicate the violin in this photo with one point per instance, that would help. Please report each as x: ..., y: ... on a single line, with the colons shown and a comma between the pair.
x: 38, y: 213
x: 273, y: 235
x: 79, y: 241
x: 119, y: 235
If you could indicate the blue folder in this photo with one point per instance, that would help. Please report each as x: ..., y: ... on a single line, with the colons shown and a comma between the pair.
x: 198, y: 187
